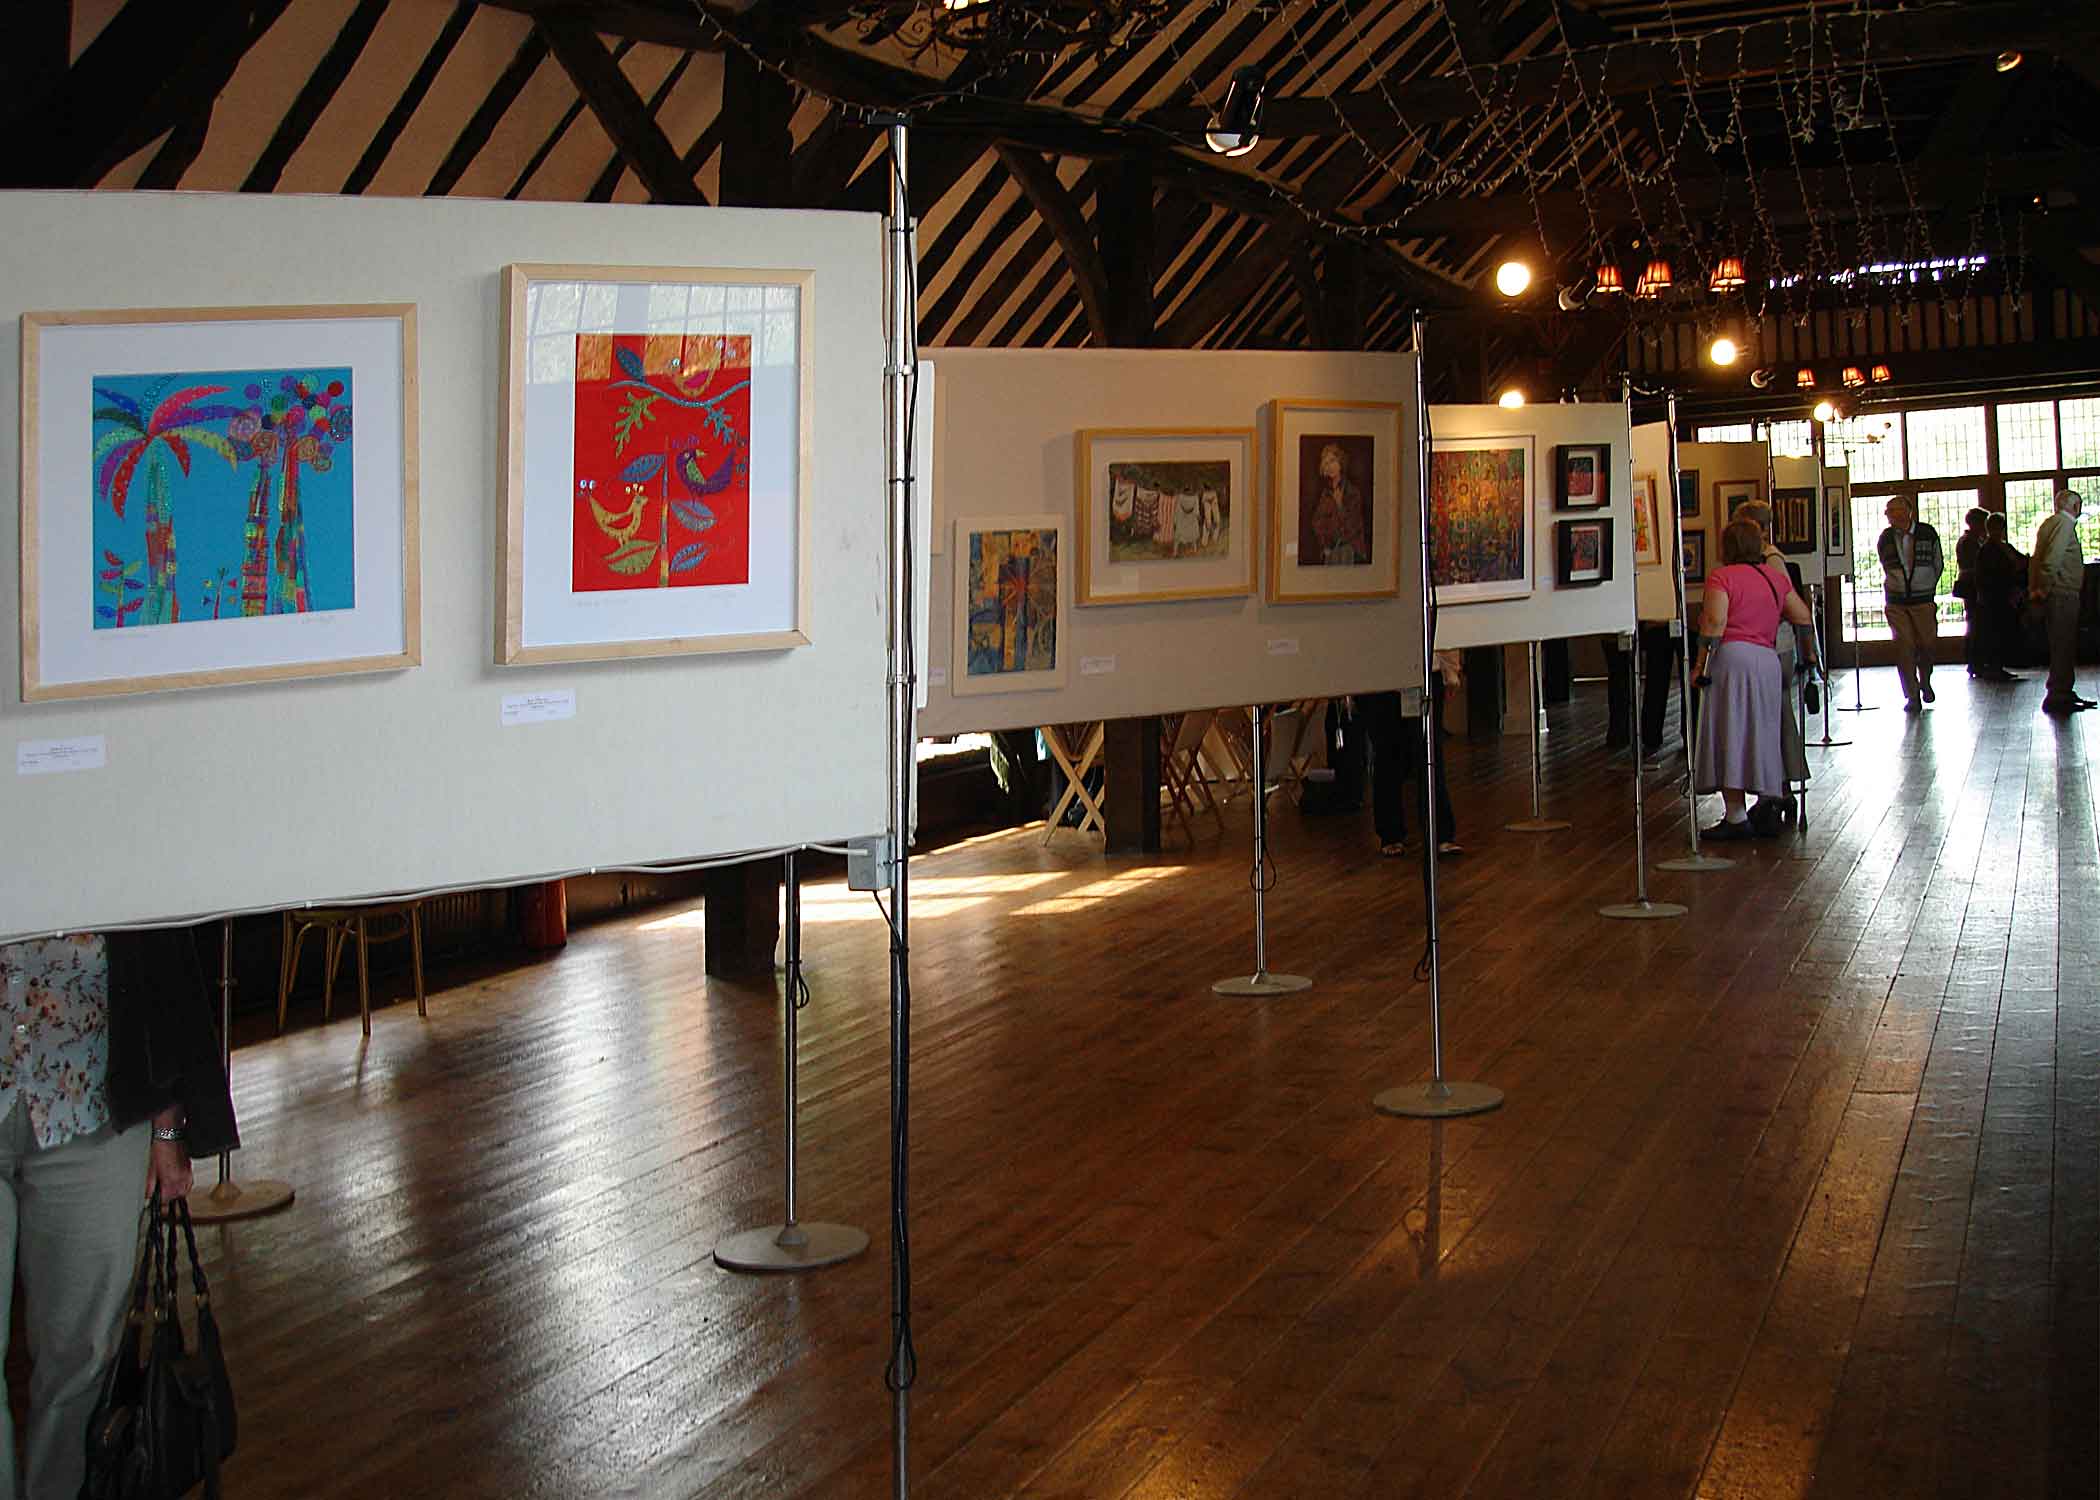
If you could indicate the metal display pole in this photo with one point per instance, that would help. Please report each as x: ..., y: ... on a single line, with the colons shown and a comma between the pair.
x: 1694, y: 863
x: 1640, y: 908
x: 1858, y: 705
x: 1537, y: 822
x: 230, y: 1199
x: 1261, y: 981
x: 1438, y: 1099
x: 791, y: 1245
x: 1822, y: 656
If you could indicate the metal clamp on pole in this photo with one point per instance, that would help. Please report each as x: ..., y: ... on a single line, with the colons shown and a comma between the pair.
x: 791, y: 1245
x: 1261, y: 981
x: 1538, y: 822
x: 231, y: 1199
x: 1439, y: 1098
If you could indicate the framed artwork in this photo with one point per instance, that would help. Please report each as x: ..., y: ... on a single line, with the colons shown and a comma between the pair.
x: 1695, y: 557
x: 1836, y: 503
x: 1481, y: 500
x: 1730, y: 494
x: 1010, y: 604
x: 656, y: 458
x: 1794, y: 520
x: 1164, y: 513
x: 217, y: 495
x: 1334, y: 500
x: 1582, y: 476
x: 1688, y: 493
x: 1647, y: 523
x: 1583, y: 552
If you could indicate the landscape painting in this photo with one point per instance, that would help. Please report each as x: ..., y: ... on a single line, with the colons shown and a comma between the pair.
x: 1480, y: 506
x: 221, y: 494
x: 1169, y: 511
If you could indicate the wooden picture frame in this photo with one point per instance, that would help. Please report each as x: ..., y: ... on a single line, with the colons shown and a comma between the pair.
x: 1694, y: 557
x: 1007, y: 620
x: 1582, y: 552
x: 1582, y: 476
x: 1794, y: 520
x: 1335, y: 476
x: 1482, y: 507
x: 242, y: 525
x: 1732, y: 493
x: 1164, y: 514
x: 695, y: 541
x: 1647, y: 523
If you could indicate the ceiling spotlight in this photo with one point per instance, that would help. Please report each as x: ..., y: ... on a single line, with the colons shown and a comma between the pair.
x: 1881, y: 375
x: 1608, y: 279
x: 1571, y: 299
x: 1238, y: 126
x: 1510, y: 399
x: 1723, y: 350
x: 1805, y: 379
x: 1852, y: 378
x: 2008, y: 60
x: 1825, y: 410
x: 1512, y: 278
x: 1728, y: 275
x: 1759, y: 379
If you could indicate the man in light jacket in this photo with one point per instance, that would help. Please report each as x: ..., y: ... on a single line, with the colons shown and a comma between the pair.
x: 1911, y: 564
x: 2055, y: 575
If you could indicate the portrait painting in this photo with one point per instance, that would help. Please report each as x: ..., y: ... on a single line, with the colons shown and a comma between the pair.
x: 1336, y: 469
x: 1335, y: 521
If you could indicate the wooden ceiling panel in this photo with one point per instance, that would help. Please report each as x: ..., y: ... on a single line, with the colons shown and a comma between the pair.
x: 261, y: 92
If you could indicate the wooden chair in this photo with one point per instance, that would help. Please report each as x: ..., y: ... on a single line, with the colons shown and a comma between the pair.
x: 338, y: 927
x: 1075, y: 748
x: 1181, y: 782
x: 1228, y: 752
x: 1297, y: 744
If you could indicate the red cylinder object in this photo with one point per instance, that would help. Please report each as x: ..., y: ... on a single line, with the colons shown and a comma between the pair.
x: 543, y: 914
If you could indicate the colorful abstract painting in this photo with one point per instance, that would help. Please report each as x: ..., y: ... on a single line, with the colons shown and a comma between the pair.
x: 1480, y: 519
x: 1647, y: 535
x: 1010, y: 592
x: 1169, y: 511
x: 1334, y: 512
x: 662, y: 461
x: 222, y: 494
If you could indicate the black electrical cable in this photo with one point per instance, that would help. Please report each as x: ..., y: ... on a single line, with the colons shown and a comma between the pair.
x: 1431, y: 761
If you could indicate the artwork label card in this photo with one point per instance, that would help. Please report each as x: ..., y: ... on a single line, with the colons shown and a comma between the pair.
x: 56, y: 757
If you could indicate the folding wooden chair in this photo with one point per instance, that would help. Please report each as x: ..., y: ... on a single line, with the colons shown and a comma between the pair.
x: 1298, y: 744
x: 1075, y: 748
x: 1228, y: 752
x: 1181, y: 782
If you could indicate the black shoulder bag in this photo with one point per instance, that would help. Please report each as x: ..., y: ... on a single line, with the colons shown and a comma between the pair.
x: 164, y: 1421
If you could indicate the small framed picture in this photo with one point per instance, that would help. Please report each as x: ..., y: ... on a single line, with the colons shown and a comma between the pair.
x: 1647, y: 523
x: 1732, y: 494
x: 1794, y: 520
x: 1839, y: 543
x: 1582, y: 476
x: 1688, y: 493
x: 1695, y: 557
x: 1584, y: 552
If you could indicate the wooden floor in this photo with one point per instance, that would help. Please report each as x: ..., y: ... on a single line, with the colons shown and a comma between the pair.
x: 1799, y: 1195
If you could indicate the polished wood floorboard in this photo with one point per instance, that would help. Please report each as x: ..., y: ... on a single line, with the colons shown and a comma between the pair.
x: 1796, y: 1196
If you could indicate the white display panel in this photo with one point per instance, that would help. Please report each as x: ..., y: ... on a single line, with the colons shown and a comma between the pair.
x: 1655, y: 589
x: 1006, y: 432
x: 278, y: 794
x: 1550, y: 612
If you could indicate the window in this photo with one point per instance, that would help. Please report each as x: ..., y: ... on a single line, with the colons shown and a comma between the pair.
x: 1945, y: 512
x: 2027, y: 501
x: 1867, y: 619
x: 2081, y: 432
x: 1872, y: 445
x: 1793, y: 439
x: 2027, y: 436
x: 1735, y: 432
x: 1946, y: 442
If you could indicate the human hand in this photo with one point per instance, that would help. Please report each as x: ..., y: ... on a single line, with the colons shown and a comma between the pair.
x: 168, y: 1171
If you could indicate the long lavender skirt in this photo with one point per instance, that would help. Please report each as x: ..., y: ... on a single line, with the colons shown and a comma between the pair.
x: 1739, y: 722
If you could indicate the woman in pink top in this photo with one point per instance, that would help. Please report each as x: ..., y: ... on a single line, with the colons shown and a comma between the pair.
x: 1739, y: 718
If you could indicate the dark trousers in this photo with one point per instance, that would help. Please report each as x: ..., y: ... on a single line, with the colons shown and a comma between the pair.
x: 1396, y: 759
x: 1658, y: 654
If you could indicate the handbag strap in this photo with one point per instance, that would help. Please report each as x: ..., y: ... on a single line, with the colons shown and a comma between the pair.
x: 189, y: 1233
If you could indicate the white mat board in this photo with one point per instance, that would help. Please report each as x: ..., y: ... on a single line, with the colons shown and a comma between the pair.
x: 1005, y: 423
x: 334, y: 789
x: 1550, y: 613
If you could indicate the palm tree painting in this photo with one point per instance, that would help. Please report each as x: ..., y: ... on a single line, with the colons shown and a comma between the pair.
x: 1012, y: 601
x: 257, y: 466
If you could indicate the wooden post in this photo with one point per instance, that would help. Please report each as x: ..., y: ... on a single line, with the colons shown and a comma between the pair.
x: 742, y: 923
x: 1131, y: 753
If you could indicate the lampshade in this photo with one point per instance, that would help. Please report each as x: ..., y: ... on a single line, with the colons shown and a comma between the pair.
x: 1728, y: 274
x: 1655, y: 280
x: 1852, y: 378
x: 1805, y: 378
x: 1881, y: 375
x: 1608, y: 279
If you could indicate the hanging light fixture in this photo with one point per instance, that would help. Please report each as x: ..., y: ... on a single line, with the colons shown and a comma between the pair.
x: 1655, y: 280
x: 1237, y: 129
x: 1881, y: 375
x: 1805, y: 379
x: 1826, y: 409
x: 1759, y: 379
x: 1608, y: 280
x: 1728, y: 275
x: 1723, y: 350
x: 1510, y: 399
x: 1512, y: 278
x: 2008, y: 60
x: 1852, y: 378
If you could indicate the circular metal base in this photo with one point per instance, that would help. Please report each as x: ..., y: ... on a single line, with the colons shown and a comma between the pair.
x: 1538, y: 825
x: 1642, y: 911
x: 1857, y: 708
x: 239, y: 1200
x: 1825, y: 744
x: 1438, y: 1101
x: 1263, y: 983
x: 781, y: 1247
x: 1696, y: 864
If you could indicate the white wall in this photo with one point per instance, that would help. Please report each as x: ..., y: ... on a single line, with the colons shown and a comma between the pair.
x: 1006, y: 421
x: 1550, y: 613
x: 329, y: 789
x: 1717, y: 462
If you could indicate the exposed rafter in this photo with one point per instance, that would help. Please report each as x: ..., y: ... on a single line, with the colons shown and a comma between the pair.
x: 618, y: 107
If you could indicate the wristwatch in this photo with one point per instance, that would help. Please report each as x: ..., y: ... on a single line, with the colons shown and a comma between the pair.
x: 169, y: 1133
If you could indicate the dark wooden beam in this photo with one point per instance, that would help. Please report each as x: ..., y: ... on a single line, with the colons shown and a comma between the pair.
x: 1228, y: 288
x: 482, y: 124
x: 1061, y: 213
x: 411, y: 99
x: 1305, y: 276
x: 607, y: 181
x: 1124, y: 222
x: 604, y: 86
x: 1476, y: 38
x: 154, y: 67
x: 177, y: 154
x: 825, y: 162
x: 314, y: 96
x: 38, y: 51
x: 757, y: 150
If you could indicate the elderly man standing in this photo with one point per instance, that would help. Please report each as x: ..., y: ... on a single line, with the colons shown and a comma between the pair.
x: 1911, y: 564
x: 2055, y: 575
